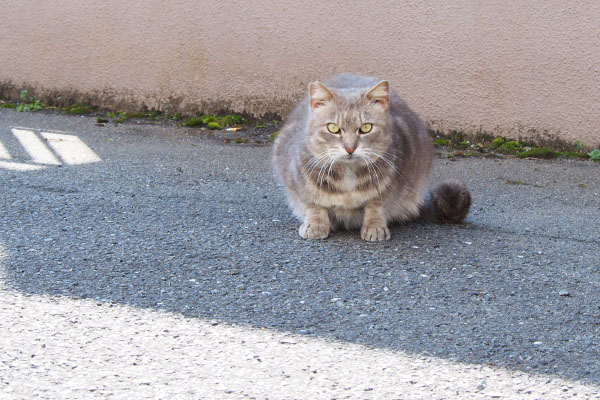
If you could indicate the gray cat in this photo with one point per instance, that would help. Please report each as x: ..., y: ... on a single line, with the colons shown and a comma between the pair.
x: 353, y: 155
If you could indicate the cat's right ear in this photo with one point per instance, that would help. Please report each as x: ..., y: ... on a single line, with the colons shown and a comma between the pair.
x: 319, y: 94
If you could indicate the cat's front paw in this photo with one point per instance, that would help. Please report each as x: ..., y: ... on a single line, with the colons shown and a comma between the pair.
x: 374, y: 233
x: 314, y: 231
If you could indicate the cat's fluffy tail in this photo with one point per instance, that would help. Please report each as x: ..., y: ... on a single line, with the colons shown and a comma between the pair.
x: 447, y: 202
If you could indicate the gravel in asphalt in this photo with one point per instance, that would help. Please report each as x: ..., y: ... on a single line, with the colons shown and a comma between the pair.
x: 176, y: 229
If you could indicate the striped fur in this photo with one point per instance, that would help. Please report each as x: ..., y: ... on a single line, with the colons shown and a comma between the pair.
x: 350, y: 179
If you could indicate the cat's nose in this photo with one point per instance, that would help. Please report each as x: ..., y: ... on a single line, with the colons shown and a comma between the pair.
x: 349, y: 150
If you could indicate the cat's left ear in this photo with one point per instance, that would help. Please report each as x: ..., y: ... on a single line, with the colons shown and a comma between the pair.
x: 380, y: 94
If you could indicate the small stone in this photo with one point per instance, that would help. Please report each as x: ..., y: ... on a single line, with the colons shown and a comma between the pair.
x: 288, y: 341
x: 481, y: 385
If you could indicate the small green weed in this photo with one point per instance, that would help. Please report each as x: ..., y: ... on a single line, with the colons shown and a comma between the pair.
x: 539, y: 152
x: 119, y: 116
x: 273, y: 136
x: 194, y: 121
x: 441, y: 142
x: 594, y: 155
x: 214, y: 125
x: 155, y: 115
x: 29, y: 105
x: 511, y: 182
x: 115, y: 114
x: 207, y: 119
x: 456, y: 137
x: 482, y: 137
x: 215, y: 121
x: 233, y: 119
x: 497, y: 143
x: 574, y: 154
x: 510, y: 146
x: 139, y: 115
x: 79, y: 109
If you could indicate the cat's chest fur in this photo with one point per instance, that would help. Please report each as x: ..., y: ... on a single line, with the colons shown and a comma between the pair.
x: 349, y: 188
x: 348, y: 181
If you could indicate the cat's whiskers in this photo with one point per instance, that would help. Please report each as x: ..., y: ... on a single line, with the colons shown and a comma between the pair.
x: 329, y: 172
x: 381, y: 151
x: 372, y: 171
x: 384, y: 157
x: 378, y: 169
x: 311, y: 165
x: 324, y: 170
x: 315, y: 159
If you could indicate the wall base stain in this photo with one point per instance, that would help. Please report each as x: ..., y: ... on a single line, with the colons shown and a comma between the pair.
x: 252, y: 108
x: 111, y: 100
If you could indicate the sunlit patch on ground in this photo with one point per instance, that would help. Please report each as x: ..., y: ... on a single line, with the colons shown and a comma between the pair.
x: 45, y: 148
x: 57, y: 347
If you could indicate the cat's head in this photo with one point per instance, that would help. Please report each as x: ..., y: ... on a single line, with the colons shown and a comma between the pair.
x: 348, y: 125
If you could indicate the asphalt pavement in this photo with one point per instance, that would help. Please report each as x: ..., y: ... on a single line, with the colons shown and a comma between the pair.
x: 152, y: 261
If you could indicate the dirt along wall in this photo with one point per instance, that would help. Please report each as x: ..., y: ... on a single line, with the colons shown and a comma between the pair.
x: 511, y: 68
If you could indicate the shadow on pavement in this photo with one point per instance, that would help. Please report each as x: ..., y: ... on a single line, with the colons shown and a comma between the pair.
x: 501, y: 290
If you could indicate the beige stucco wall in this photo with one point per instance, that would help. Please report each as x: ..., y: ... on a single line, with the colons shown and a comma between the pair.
x: 516, y: 68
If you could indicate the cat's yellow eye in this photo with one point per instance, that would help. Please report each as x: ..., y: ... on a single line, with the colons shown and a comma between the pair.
x: 333, y: 128
x: 366, y: 128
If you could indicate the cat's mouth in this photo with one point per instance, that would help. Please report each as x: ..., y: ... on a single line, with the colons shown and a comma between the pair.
x: 349, y: 157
